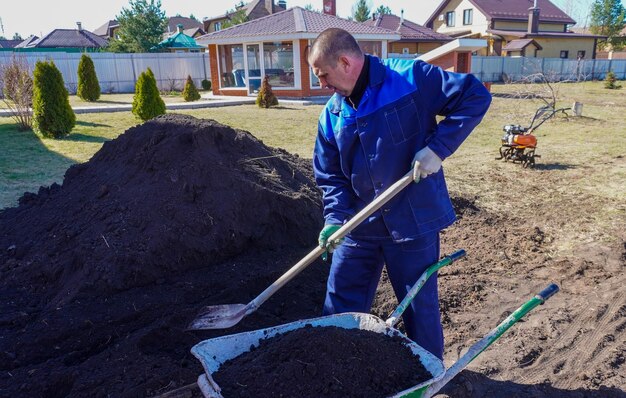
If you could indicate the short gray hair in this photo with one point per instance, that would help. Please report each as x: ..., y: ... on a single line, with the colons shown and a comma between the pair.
x: 333, y: 43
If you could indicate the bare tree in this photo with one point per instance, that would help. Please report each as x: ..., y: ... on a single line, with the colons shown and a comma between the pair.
x: 16, y: 90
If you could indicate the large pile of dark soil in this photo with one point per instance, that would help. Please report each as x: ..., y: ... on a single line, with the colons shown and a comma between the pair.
x: 173, y: 194
x: 323, y: 362
x: 100, y: 276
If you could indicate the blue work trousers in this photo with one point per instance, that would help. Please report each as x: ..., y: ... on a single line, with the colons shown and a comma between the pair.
x: 356, y: 268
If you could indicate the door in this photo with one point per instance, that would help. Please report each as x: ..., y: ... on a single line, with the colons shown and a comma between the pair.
x: 254, y: 68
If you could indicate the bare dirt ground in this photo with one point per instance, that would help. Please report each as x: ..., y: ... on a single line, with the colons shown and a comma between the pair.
x: 129, y: 339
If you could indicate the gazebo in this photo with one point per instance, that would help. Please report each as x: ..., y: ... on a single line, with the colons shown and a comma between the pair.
x: 275, y: 46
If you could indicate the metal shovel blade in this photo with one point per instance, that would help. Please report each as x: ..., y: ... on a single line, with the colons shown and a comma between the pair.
x: 219, y: 316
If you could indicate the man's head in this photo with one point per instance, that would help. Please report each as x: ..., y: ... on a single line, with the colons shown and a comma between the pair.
x: 337, y: 60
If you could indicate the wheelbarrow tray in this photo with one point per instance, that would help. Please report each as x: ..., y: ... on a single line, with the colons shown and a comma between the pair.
x: 212, y: 353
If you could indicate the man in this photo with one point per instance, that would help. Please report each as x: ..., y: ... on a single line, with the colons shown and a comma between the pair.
x: 380, y: 121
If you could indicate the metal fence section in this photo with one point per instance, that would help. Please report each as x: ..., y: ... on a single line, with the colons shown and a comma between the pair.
x: 117, y: 73
x: 504, y: 69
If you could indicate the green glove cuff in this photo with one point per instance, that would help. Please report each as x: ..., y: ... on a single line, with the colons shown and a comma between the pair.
x: 326, y: 232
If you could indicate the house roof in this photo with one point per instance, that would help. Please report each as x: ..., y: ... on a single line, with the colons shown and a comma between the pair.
x: 9, y: 43
x: 409, y: 31
x: 523, y: 34
x: 105, y: 30
x: 512, y: 10
x: 24, y: 43
x: 69, y: 38
x: 193, y: 31
x: 293, y: 23
x: 520, y: 44
x: 188, y: 23
x: 249, y: 9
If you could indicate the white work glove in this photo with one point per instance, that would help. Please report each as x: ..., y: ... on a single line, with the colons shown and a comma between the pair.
x: 425, y: 162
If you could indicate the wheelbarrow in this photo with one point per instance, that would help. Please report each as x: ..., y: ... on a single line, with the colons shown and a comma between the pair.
x: 212, y: 353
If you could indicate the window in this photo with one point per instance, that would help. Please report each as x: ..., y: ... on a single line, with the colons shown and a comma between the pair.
x: 231, y: 65
x: 278, y: 63
x: 218, y: 26
x: 371, y: 47
x: 564, y: 54
x: 467, y: 16
x: 580, y: 54
x: 450, y: 18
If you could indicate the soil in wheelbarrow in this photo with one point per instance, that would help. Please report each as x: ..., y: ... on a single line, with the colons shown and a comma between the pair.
x: 323, y: 362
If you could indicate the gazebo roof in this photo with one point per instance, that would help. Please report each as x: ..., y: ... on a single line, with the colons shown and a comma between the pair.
x: 295, y: 22
x: 178, y: 40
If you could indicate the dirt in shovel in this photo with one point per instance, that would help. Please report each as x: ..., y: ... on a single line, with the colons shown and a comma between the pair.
x: 327, y: 362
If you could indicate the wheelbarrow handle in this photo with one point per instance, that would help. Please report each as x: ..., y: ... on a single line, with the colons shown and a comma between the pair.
x: 395, y: 315
x: 492, y: 336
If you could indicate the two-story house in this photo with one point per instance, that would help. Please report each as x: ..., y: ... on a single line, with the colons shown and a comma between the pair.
x: 514, y: 28
x: 252, y: 10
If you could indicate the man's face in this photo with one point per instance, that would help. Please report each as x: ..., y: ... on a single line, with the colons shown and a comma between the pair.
x: 337, y: 78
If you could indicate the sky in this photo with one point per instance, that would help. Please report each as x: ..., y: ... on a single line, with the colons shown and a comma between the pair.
x: 40, y: 17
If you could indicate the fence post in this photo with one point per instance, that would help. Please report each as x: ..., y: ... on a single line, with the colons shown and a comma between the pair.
x: 593, y: 69
x: 132, y: 62
x: 204, y: 65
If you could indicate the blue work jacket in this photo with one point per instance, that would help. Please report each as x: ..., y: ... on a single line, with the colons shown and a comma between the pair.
x: 360, y: 153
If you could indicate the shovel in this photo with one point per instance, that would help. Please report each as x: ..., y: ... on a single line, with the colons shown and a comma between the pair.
x: 227, y: 315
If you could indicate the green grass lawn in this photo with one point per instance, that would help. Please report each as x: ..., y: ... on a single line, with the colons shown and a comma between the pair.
x: 582, y: 158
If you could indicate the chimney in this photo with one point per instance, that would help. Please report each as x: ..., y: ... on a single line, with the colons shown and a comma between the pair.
x: 282, y: 3
x: 269, y: 6
x: 330, y: 7
x: 533, y: 19
x: 179, y: 28
x: 401, y: 16
x: 80, y: 26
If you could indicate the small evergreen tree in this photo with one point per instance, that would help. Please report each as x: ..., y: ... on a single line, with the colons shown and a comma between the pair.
x: 266, y: 97
x: 610, y: 81
x: 361, y: 11
x: 190, y: 93
x: 206, y: 84
x: 147, y: 102
x: 52, y: 114
x: 88, y: 86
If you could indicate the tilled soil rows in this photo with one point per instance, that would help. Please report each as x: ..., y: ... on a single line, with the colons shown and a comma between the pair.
x: 100, y: 276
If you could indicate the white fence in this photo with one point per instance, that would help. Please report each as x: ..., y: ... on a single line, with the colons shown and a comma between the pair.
x: 498, y: 69
x: 117, y: 73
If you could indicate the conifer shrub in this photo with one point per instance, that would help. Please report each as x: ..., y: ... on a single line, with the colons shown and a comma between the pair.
x: 88, y: 86
x: 147, y: 102
x: 190, y: 93
x: 52, y: 114
x: 610, y: 81
x: 266, y: 97
x: 206, y: 84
